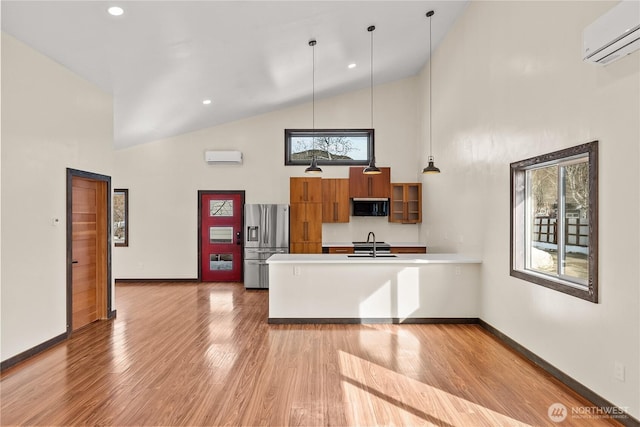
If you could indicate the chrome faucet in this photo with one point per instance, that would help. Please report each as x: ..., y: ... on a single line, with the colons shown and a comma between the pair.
x: 371, y: 233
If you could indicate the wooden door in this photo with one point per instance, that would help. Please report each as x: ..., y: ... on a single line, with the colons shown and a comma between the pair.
x: 89, y: 246
x: 220, y: 236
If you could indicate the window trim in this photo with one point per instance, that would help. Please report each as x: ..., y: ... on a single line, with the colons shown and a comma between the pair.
x: 289, y: 133
x: 518, y: 239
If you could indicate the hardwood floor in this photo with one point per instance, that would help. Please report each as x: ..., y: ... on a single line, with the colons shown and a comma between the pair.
x: 204, y: 355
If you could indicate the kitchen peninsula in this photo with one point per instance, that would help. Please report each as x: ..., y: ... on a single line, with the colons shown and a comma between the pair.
x: 398, y: 288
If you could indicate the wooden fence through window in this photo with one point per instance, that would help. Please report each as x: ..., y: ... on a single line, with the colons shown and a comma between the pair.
x: 576, y: 231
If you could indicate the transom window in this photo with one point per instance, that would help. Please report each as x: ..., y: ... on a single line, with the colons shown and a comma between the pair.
x: 329, y: 146
x: 554, y: 218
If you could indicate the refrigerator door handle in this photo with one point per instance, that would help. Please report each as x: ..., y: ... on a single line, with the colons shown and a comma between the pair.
x: 265, y: 231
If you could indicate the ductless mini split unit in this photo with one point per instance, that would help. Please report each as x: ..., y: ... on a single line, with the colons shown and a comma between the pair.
x: 613, y: 35
x: 223, y: 157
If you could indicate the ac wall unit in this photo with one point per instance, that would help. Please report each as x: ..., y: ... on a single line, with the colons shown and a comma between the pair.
x: 613, y: 35
x: 223, y: 157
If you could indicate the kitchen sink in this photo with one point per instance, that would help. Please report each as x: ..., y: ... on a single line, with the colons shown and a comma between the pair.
x: 371, y: 256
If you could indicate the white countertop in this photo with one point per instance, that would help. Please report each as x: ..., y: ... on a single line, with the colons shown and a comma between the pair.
x: 398, y: 259
x: 392, y: 244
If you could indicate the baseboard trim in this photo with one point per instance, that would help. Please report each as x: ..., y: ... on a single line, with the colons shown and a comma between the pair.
x: 599, y: 401
x: 154, y: 281
x: 370, y: 320
x: 12, y: 361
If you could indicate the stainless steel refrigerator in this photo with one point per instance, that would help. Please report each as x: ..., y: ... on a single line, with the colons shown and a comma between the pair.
x: 266, y: 233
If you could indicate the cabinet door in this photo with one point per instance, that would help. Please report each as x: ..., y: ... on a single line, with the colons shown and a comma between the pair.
x: 305, y: 190
x: 361, y: 185
x: 397, y: 206
x: 413, y: 200
x: 340, y: 250
x: 335, y: 200
x: 306, y: 223
x: 406, y: 203
x: 408, y: 250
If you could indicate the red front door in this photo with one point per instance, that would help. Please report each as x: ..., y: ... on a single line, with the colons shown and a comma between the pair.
x: 221, y: 235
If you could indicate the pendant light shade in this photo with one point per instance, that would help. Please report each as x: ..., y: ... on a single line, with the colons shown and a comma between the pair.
x: 313, y: 168
x: 371, y: 169
x: 431, y: 168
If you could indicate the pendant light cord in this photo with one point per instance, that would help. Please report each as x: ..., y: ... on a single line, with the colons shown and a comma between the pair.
x: 430, y: 78
x: 313, y: 90
x: 370, y: 29
x: 312, y: 43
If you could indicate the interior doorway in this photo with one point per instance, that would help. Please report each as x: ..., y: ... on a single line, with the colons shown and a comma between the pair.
x: 220, y: 223
x: 88, y: 248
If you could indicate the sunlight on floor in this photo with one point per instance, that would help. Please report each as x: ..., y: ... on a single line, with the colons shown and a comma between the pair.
x: 385, y: 396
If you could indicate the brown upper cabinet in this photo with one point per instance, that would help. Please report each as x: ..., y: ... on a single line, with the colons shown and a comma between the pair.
x: 335, y: 200
x: 305, y: 190
x: 369, y: 186
x: 406, y: 203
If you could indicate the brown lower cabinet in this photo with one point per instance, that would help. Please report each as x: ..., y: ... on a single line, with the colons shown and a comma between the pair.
x: 340, y: 249
x: 408, y: 250
x: 305, y: 248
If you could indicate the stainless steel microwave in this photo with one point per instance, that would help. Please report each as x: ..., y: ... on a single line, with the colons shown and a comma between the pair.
x: 370, y: 207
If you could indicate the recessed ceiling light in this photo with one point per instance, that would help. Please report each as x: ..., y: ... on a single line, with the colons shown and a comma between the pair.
x: 115, y: 10
x: 206, y: 101
x: 352, y: 65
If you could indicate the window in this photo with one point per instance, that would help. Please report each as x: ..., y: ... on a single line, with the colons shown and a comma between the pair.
x: 554, y: 220
x: 121, y: 217
x: 330, y: 146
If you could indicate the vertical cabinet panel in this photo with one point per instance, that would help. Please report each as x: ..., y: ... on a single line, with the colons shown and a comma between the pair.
x: 335, y: 200
x: 306, y: 215
x: 406, y: 203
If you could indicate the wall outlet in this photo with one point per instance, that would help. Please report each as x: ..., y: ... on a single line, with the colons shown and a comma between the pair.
x: 618, y: 371
x: 296, y: 270
x: 457, y: 271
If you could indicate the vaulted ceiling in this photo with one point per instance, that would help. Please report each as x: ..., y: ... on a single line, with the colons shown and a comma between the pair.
x: 161, y: 59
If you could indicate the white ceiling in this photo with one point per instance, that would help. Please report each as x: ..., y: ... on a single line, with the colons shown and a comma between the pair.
x: 160, y: 59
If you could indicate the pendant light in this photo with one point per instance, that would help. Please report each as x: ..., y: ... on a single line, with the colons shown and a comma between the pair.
x: 371, y: 169
x: 431, y: 168
x: 313, y: 168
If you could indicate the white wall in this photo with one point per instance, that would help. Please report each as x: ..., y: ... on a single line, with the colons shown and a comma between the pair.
x: 509, y: 84
x: 163, y: 177
x: 51, y: 120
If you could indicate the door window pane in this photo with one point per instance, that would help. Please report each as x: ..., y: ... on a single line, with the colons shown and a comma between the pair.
x: 221, y: 234
x: 121, y: 217
x: 221, y: 262
x: 221, y: 208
